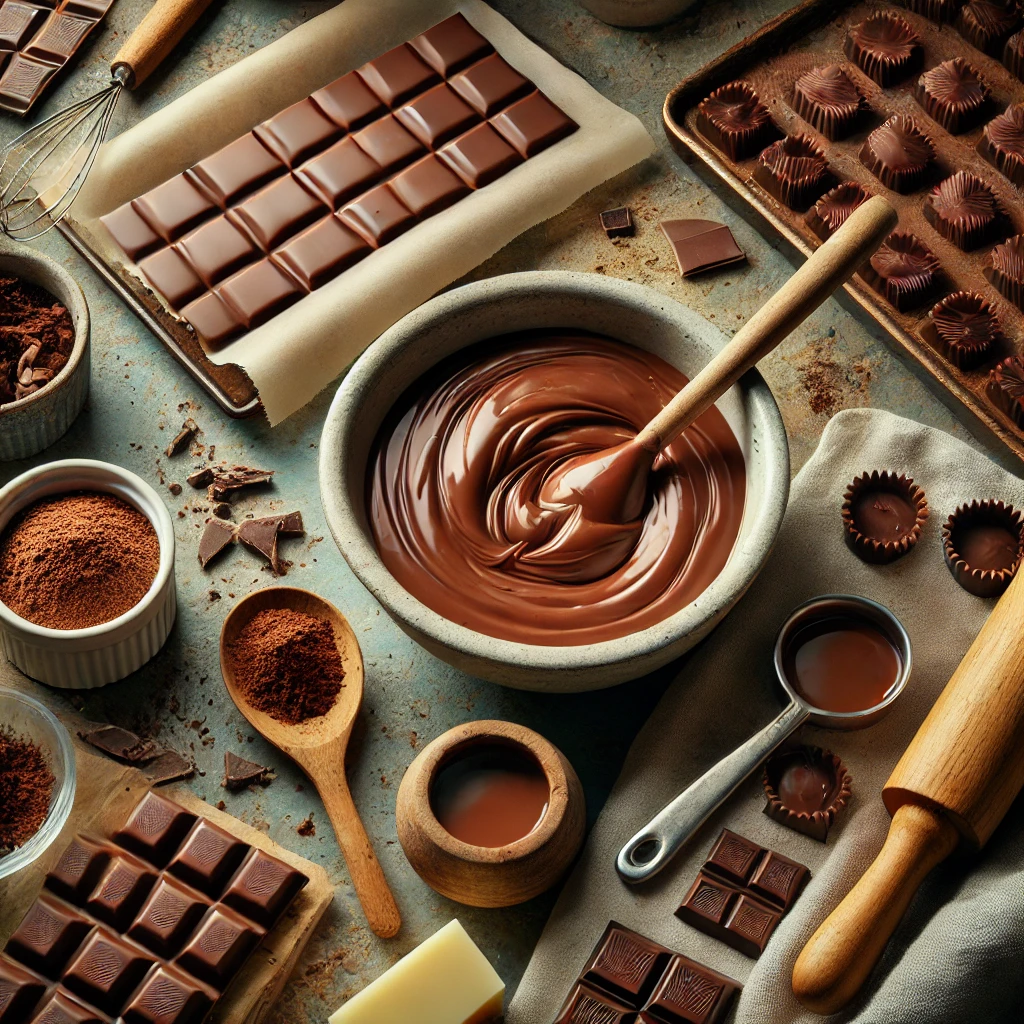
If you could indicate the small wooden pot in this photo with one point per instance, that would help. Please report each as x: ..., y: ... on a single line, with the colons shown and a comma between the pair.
x: 491, y: 876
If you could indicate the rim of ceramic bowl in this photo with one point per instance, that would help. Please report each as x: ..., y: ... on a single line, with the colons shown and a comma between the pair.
x: 345, y: 520
x: 125, y: 485
x: 60, y: 807
x: 79, y: 319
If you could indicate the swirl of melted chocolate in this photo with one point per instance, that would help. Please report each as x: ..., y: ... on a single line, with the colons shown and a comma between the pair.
x: 833, y: 208
x: 966, y: 327
x: 963, y: 209
x: 898, y: 153
x: 828, y: 99
x: 954, y: 94
x: 905, y: 269
x: 1002, y: 144
x: 455, y: 492
x: 885, y: 47
x: 735, y: 120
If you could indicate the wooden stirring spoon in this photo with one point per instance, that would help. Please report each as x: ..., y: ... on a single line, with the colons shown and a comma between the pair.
x: 318, y: 745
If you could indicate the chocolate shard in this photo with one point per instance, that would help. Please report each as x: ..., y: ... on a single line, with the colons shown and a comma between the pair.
x: 200, y: 477
x: 217, y: 536
x: 119, y: 743
x: 618, y: 223
x: 701, y: 245
x: 239, y: 773
x: 260, y: 535
x: 183, y: 438
x: 169, y: 766
x: 227, y: 482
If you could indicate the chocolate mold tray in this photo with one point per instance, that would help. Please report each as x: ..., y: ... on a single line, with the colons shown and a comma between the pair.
x: 812, y: 35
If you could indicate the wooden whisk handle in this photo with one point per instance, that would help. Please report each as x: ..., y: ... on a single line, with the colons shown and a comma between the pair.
x: 156, y: 35
x: 815, y: 281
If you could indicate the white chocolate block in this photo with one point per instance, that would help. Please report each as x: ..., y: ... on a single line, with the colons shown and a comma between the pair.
x: 444, y: 980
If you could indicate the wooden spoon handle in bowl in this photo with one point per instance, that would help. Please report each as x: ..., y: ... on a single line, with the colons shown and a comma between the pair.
x: 829, y: 267
x: 367, y: 875
x: 155, y: 36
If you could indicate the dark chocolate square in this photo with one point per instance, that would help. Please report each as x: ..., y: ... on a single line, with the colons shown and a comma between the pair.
x: 491, y: 85
x: 532, y: 124
x: 451, y: 45
x: 131, y: 232
x: 397, y: 75
x: 213, y: 320
x: 750, y: 925
x: 47, y: 936
x: 734, y: 857
x: 169, y: 273
x: 17, y: 23
x: 428, y: 186
x: 625, y: 965
x: 349, y: 102
x: 174, y: 207
x: 106, y: 970
x: 264, y: 888
x: 297, y: 132
x: 436, y: 116
x: 779, y: 879
x: 19, y: 991
x: 61, y: 1008
x: 339, y: 173
x: 59, y: 37
x: 588, y: 1006
x: 690, y: 993
x: 24, y: 80
x: 94, y: 9
x: 208, y: 858
x: 278, y: 211
x: 378, y: 215
x: 168, y: 996
x: 155, y: 829
x: 236, y: 170
x: 322, y: 252
x: 217, y: 249
x: 219, y: 947
x: 258, y: 293
x: 76, y: 873
x: 390, y: 145
x: 480, y: 156
x: 121, y: 891
x: 168, y: 917
x: 708, y: 901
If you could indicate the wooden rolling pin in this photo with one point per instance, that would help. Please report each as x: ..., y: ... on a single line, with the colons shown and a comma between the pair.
x: 953, y: 785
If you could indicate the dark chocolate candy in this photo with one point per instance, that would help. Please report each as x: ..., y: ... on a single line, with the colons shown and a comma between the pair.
x: 233, y: 172
x: 451, y: 45
x: 349, y: 102
x: 297, y: 132
x: 47, y: 936
x: 885, y: 47
x: 75, y: 875
x: 321, y: 252
x: 428, y: 186
x: 208, y: 857
x: 1006, y: 388
x: 213, y: 319
x: 904, y: 270
x: 701, y: 245
x: 121, y: 891
x: 340, y: 173
x: 106, y: 970
x: 23, y: 82
x: 954, y: 94
x: 172, y: 276
x: 220, y: 945
x: 389, y: 144
x: 437, y: 116
x: 59, y: 38
x: 899, y: 154
x: 168, y: 917
x: 169, y: 996
x: 19, y: 991
x: 618, y: 223
x: 987, y: 24
x: 259, y: 292
x: 982, y: 544
x: 378, y: 215
x: 964, y: 327
x: 735, y: 120
x: 794, y: 170
x: 805, y: 789
x: 263, y: 888
x: 480, y: 156
x: 942, y: 11
x: 277, y: 211
x: 1006, y: 270
x: 173, y: 208
x: 883, y: 514
x: 1002, y: 143
x: 828, y: 99
x: 217, y: 537
x: 397, y: 75
x: 964, y: 210
x: 1013, y: 54
x: 119, y: 743
x: 831, y: 211
x: 131, y: 232
x: 490, y: 85
x: 532, y: 124
x: 215, y: 251
x: 155, y: 829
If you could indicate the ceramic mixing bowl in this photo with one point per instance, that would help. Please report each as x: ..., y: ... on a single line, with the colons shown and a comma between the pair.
x: 619, y: 309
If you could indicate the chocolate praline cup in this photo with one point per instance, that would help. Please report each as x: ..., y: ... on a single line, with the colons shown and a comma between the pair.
x: 963, y: 209
x: 829, y: 100
x: 982, y: 544
x: 1006, y: 270
x: 941, y: 11
x: 964, y: 327
x: 734, y: 120
x: 883, y: 515
x: 987, y: 24
x: 1006, y: 388
x: 831, y: 211
x: 794, y: 170
x: 1013, y: 55
x: 954, y: 94
x: 904, y: 270
x: 899, y: 154
x: 885, y: 47
x: 1002, y: 143
x: 805, y: 789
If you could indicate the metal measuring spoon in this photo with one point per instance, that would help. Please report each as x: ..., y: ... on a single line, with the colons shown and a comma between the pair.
x: 659, y: 841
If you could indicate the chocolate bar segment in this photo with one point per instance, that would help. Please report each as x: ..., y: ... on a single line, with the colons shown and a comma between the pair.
x: 349, y: 102
x: 437, y: 116
x: 106, y: 970
x: 23, y: 82
x: 168, y: 996
x: 451, y: 45
x: 340, y: 173
x: 480, y: 156
x: 219, y: 947
x: 121, y: 890
x: 47, y: 936
x: 216, y: 250
x: 174, y: 207
x: 17, y: 23
x: 690, y: 993
x: 321, y: 252
x: 277, y: 211
x: 626, y: 966
x: 297, y: 132
x: 428, y: 186
x: 168, y: 917
x: 379, y: 216
x: 259, y: 292
x: 532, y: 124
x: 490, y: 85
x: 208, y: 858
x: 155, y: 829
x: 59, y: 37
x: 76, y: 873
x: 396, y: 75
x: 19, y: 991
x: 234, y: 172
x: 62, y: 1008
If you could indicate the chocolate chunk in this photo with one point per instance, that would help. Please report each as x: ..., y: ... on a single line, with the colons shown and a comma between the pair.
x: 260, y: 535
x: 236, y: 170
x: 389, y: 144
x: 885, y: 47
x: 964, y: 327
x: 701, y: 245
x: 1002, y: 143
x: 1006, y: 270
x: 169, y: 273
x: 219, y: 947
x: 208, y: 857
x: 277, y: 211
x: 987, y: 24
x: 168, y: 917
x: 183, y: 438
x: 321, y: 252
x: 239, y: 773
x: 222, y: 510
x: 174, y: 208
x: 982, y: 544
x: 75, y: 875
x: 348, y: 102
x: 106, y: 970
x: 963, y: 209
x: 428, y: 186
x: 828, y: 99
x: 225, y: 482
x: 618, y: 223
x: 155, y: 829
x: 169, y: 766
x: 437, y: 116
x: 397, y: 75
x: 794, y: 170
x: 899, y: 154
x: 119, y: 743
x: 131, y: 232
x: 831, y: 211
x: 904, y: 270
x: 491, y: 85
x: 215, y: 322
x: 169, y: 996
x: 200, y: 477
x: 340, y: 173
x: 480, y: 156
x: 689, y: 991
x: 954, y: 94
x: 263, y: 888
x: 47, y: 936
x: 217, y: 537
x: 734, y: 857
x: 532, y: 124
x: 734, y: 120
x: 258, y: 293
x: 121, y: 890
x: 217, y: 249
x: 805, y: 789
x: 883, y: 514
x: 379, y: 216
x: 1006, y: 388
x: 451, y: 45
x: 626, y: 966
x: 298, y: 132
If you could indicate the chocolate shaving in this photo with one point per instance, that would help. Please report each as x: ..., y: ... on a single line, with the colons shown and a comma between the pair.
x: 120, y: 744
x: 217, y: 537
x: 885, y: 47
x: 169, y: 766
x: 183, y: 438
x: 618, y: 223
x: 239, y: 773
x: 227, y: 482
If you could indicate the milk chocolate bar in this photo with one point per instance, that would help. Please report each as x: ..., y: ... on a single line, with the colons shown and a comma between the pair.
x: 280, y: 212
x: 148, y: 926
x: 742, y: 892
x: 37, y: 40
x: 628, y: 975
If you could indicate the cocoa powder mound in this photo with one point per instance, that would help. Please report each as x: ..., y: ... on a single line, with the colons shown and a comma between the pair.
x: 287, y: 665
x: 36, y: 338
x: 77, y: 560
x: 26, y: 783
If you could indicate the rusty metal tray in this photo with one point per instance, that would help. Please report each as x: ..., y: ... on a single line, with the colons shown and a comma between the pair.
x: 810, y: 35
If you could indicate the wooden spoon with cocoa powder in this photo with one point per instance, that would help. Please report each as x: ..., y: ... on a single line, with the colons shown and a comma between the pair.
x: 318, y: 745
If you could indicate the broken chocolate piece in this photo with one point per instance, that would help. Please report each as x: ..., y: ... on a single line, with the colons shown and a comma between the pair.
x: 120, y: 743
x: 260, y: 535
x: 618, y: 223
x: 226, y: 482
x: 239, y: 773
x: 200, y: 477
x: 701, y: 245
x: 222, y: 510
x: 169, y: 766
x: 183, y: 438
x: 217, y: 536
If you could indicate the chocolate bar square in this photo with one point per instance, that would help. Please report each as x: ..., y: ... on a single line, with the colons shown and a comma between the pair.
x: 174, y: 207
x: 339, y: 173
x: 321, y: 252
x: 428, y: 186
x: 297, y: 132
x: 378, y: 215
x: 168, y: 996
x: 263, y: 888
x: 168, y: 917
x: 397, y: 75
x: 217, y: 249
x: 172, y: 276
x: 213, y: 319
x: 76, y: 873
x: 750, y: 925
x: 451, y: 45
x: 47, y: 936
x: 587, y: 1006
x: 94, y: 9
x: 131, y: 232
x: 219, y: 947
x: 23, y: 81
x: 436, y: 116
x: 208, y: 858
x: 59, y: 37
x: 17, y: 23
x: 237, y: 169
x: 155, y: 829
x: 278, y: 211
x: 778, y: 879
x: 349, y: 102
x: 532, y: 124
x: 625, y: 965
x: 19, y: 991
x: 491, y: 85
x: 389, y: 144
x: 480, y: 156
x: 734, y: 857
x: 121, y: 890
x: 61, y: 1008
x: 259, y: 292
x: 690, y: 993
x: 106, y: 970
x: 708, y: 900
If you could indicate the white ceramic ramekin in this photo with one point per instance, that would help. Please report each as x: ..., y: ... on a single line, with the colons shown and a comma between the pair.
x: 34, y: 423
x: 82, y: 659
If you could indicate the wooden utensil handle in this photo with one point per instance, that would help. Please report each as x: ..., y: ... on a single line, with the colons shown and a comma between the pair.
x: 815, y: 281
x: 367, y: 875
x: 841, y: 954
x: 155, y: 36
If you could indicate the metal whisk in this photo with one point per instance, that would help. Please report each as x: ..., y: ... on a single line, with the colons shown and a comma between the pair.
x: 44, y: 169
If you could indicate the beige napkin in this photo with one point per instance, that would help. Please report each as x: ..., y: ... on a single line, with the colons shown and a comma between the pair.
x: 958, y: 955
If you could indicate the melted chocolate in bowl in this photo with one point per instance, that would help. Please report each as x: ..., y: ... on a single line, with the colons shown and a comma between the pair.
x: 455, y: 492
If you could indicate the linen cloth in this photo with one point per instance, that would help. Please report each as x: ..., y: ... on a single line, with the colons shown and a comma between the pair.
x: 958, y: 956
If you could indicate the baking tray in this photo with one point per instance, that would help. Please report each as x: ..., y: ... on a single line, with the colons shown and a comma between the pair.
x: 811, y: 35
x: 228, y: 384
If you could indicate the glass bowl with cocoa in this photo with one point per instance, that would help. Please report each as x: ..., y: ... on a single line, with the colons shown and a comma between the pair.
x: 37, y: 779
x: 44, y: 351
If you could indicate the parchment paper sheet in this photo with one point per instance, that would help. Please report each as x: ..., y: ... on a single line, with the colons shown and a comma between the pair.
x: 958, y: 957
x: 300, y: 351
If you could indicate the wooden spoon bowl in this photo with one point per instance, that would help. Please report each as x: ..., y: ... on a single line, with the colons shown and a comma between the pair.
x: 318, y: 744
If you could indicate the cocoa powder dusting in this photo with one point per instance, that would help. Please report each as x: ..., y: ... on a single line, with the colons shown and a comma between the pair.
x: 287, y: 665
x: 26, y: 783
x: 36, y: 338
x: 77, y: 560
